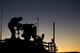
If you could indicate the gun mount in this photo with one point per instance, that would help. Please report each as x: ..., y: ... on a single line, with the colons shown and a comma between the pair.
x: 26, y: 45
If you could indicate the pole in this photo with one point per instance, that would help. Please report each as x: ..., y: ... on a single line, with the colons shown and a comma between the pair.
x: 54, y: 31
x: 1, y: 19
x: 54, y: 36
x: 38, y: 25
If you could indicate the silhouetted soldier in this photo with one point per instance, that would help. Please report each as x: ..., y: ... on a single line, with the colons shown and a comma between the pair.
x: 40, y: 44
x: 14, y: 23
x: 39, y: 41
x: 43, y: 36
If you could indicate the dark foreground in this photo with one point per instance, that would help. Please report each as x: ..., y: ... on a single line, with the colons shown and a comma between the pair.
x: 18, y: 45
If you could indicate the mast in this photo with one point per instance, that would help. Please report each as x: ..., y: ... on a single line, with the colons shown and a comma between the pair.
x: 54, y: 31
x: 54, y: 37
x: 38, y: 25
x: 1, y: 19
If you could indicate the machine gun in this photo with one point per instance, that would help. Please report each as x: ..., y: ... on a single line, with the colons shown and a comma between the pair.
x: 29, y: 30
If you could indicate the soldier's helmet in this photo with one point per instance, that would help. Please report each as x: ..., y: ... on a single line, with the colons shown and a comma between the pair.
x: 20, y: 18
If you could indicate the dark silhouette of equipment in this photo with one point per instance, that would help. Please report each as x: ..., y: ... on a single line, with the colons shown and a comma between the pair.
x: 28, y: 31
x: 26, y: 45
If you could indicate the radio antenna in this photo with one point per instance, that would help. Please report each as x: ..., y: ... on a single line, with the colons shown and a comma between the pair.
x: 1, y: 19
x: 38, y: 25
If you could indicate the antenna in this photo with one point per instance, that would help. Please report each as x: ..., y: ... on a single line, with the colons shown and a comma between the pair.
x: 38, y: 25
x: 54, y: 36
x: 54, y: 31
x: 1, y: 19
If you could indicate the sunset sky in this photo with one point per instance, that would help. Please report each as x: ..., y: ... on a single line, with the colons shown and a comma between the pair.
x: 65, y: 13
